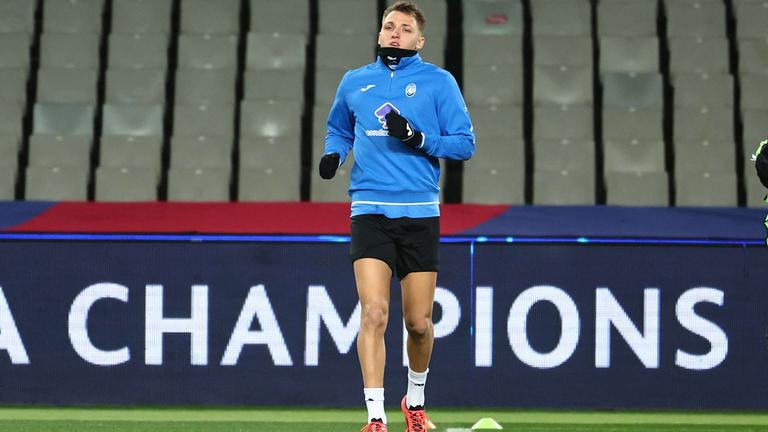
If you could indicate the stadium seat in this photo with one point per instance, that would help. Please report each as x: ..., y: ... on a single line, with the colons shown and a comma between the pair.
x: 626, y: 18
x: 130, y: 152
x: 640, y: 90
x: 279, y: 51
x: 334, y: 17
x: 126, y: 184
x: 201, y: 86
x: 698, y: 55
x: 334, y: 190
x: 205, y: 16
x: 562, y: 50
x: 563, y: 187
x: 143, y: 86
x: 137, y: 51
x: 649, y: 188
x: 67, y: 85
x: 272, y: 183
x: 562, y: 85
x: 268, y: 168
x: 492, y: 17
x: 76, y: 50
x: 260, y: 152
x: 629, y: 54
x: 491, y: 123
x: 12, y: 144
x: 489, y: 182
x: 13, y: 86
x: 633, y: 155
x: 212, y: 140
x: 754, y: 121
x: 551, y: 122
x: 72, y: 16
x: 63, y: 119
x: 56, y: 184
x: 198, y: 184
x: 697, y: 91
x: 141, y: 16
x: 50, y: 151
x: 7, y: 183
x: 497, y: 174
x: 564, y: 154
x: 434, y: 51
x: 561, y: 17
x: 192, y: 153
x: 490, y: 50
x: 9, y: 153
x: 275, y: 84
x: 753, y: 56
x: 754, y: 89
x: 133, y: 119
x: 326, y: 83
x: 320, y: 120
x: 749, y: 147
x: 201, y: 120
x: 751, y: 17
x: 493, y: 85
x: 695, y: 18
x: 703, y: 124
x: 644, y: 124
x: 270, y: 118
x: 343, y: 52
x: 11, y: 116
x: 499, y: 152
x: 17, y: 16
x: 14, y: 50
x: 280, y: 16
x: 318, y: 149
x: 207, y: 51
x: 706, y: 189
x: 705, y: 155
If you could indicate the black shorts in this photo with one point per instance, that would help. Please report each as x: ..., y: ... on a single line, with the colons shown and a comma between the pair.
x: 405, y: 244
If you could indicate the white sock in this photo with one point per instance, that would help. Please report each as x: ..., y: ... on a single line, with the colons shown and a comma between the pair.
x: 374, y: 401
x: 416, y: 382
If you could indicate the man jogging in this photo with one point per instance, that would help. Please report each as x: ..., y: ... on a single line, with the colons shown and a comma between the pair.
x: 400, y: 115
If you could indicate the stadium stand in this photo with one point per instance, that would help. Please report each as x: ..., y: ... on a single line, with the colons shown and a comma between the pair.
x: 611, y: 93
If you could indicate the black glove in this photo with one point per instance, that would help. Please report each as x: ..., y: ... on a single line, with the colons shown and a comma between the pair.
x: 328, y: 165
x: 761, y: 165
x: 400, y: 128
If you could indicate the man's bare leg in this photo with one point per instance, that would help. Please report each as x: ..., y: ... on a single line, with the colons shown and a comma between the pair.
x: 373, y: 278
x: 418, y: 296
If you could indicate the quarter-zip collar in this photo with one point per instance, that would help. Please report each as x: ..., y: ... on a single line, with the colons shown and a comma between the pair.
x: 405, y: 62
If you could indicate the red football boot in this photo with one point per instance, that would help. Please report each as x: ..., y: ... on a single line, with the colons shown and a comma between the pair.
x: 374, y: 426
x: 415, y: 420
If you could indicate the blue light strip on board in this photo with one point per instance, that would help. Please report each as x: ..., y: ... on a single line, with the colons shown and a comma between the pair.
x: 247, y: 238
x: 472, y: 290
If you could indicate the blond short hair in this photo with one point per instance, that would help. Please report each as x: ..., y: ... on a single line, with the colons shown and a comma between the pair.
x: 408, y: 8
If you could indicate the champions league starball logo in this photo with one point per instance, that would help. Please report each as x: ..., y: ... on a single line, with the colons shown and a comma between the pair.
x: 382, y: 111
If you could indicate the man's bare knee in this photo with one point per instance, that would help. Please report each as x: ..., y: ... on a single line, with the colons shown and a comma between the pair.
x: 374, y: 317
x: 418, y: 328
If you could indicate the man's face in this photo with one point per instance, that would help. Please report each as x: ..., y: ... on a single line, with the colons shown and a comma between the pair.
x: 400, y: 30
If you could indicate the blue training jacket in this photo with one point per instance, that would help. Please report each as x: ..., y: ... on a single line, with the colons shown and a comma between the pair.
x: 389, y: 177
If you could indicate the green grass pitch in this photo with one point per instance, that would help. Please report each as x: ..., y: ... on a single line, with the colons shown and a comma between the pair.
x: 34, y: 419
